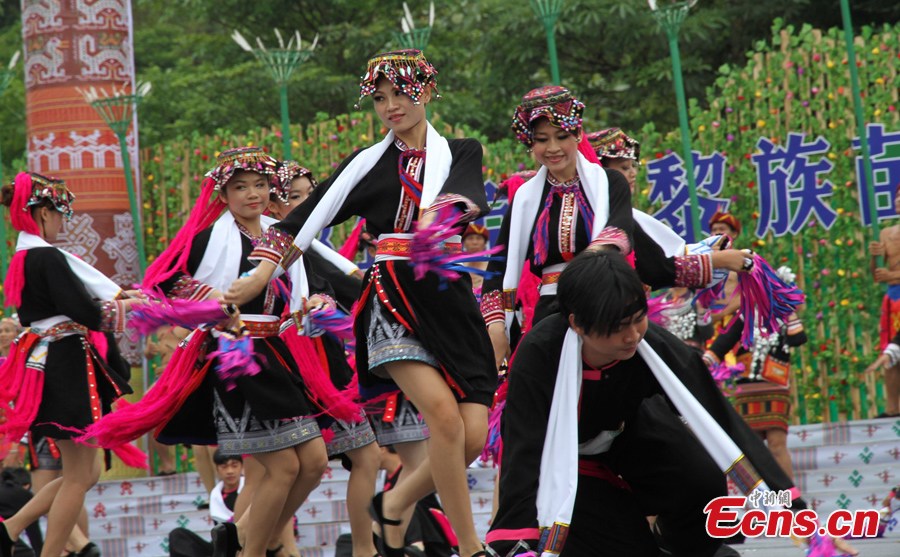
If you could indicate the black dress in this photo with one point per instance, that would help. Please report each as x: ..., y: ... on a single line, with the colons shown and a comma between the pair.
x: 442, y: 316
x: 666, y: 469
x: 264, y: 412
x: 53, y: 289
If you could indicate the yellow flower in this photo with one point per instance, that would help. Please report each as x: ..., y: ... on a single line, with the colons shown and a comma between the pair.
x: 877, y: 112
x: 831, y: 156
x: 839, y: 242
x: 829, y: 64
x: 249, y: 144
x: 757, y: 94
x: 879, y: 81
x: 831, y: 126
x: 845, y: 302
x: 840, y: 211
x: 149, y: 230
x: 841, y: 273
x: 876, y: 50
x: 760, y: 123
x: 295, y: 143
x: 701, y: 128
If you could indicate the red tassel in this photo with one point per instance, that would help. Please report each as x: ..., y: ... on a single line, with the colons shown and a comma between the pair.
x: 132, y: 456
x: 351, y: 244
x: 15, y: 279
x: 21, y: 396
x: 19, y: 213
x: 159, y: 404
x: 335, y: 403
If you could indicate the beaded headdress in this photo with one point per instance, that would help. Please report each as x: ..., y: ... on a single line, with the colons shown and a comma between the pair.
x: 407, y: 70
x: 285, y: 173
x: 555, y: 103
x: 613, y: 143
x: 727, y: 218
x: 52, y: 189
x: 252, y: 159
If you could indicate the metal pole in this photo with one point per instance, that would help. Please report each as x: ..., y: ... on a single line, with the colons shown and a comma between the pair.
x: 551, y: 49
x: 132, y: 200
x: 860, y: 119
x: 686, y: 150
x: 285, y: 123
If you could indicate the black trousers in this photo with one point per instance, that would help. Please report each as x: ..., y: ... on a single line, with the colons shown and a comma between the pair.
x: 670, y: 476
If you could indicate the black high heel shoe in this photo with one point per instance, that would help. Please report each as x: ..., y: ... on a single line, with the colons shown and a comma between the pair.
x: 225, y: 540
x: 376, y: 511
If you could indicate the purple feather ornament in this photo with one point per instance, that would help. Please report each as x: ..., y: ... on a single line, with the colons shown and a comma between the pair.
x: 764, y: 296
x: 429, y: 253
x: 236, y: 359
x: 144, y: 319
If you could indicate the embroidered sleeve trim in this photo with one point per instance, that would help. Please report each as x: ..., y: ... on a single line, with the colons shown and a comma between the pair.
x: 509, y: 299
x: 114, y: 313
x: 187, y: 288
x: 492, y: 307
x: 613, y: 236
x: 469, y: 209
x: 693, y: 270
x: 277, y: 247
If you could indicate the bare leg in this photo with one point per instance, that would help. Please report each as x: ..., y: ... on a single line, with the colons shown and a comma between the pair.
x: 290, y: 475
x: 253, y: 476
x: 164, y: 452
x: 81, y: 470
x: 777, y: 441
x: 38, y: 506
x: 458, y: 432
x: 412, y: 455
x: 360, y: 489
x: 288, y: 541
x: 892, y: 390
x: 204, y: 464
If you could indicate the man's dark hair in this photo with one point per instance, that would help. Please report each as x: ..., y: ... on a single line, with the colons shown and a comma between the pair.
x: 220, y: 459
x: 16, y: 477
x: 601, y: 290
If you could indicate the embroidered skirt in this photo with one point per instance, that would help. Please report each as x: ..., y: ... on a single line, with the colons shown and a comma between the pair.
x: 349, y: 436
x: 396, y: 420
x: 246, y: 434
x: 764, y: 405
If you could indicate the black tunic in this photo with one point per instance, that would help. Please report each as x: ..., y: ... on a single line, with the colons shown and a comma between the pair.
x: 618, y: 397
x: 276, y: 392
x: 51, y: 289
x: 444, y: 316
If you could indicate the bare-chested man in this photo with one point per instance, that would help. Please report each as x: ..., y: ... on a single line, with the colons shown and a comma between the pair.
x: 888, y: 247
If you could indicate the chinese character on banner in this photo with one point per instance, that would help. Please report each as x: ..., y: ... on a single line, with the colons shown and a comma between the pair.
x: 668, y: 185
x: 884, y: 150
x: 790, y: 192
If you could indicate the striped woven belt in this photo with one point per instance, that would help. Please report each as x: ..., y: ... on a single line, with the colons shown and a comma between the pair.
x: 65, y: 328
x: 399, y: 246
x: 261, y: 328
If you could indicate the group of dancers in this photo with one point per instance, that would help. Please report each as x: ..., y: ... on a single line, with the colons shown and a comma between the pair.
x: 608, y: 420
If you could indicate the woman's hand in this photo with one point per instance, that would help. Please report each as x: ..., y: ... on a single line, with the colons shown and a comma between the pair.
x: 732, y: 259
x: 246, y: 288
x: 316, y: 302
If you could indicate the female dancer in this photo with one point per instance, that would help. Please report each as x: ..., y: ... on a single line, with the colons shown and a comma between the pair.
x: 409, y: 330
x: 353, y: 442
x: 63, y: 374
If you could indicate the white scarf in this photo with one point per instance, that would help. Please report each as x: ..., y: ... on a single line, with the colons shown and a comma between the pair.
x: 525, y: 213
x: 221, y: 263
x: 558, y: 479
x: 345, y: 265
x: 98, y: 285
x: 672, y: 244
x: 437, y: 168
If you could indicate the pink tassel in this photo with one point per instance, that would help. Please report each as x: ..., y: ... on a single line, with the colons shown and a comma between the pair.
x: 132, y: 456
x: 724, y: 372
x: 428, y: 252
x: 235, y: 358
x: 145, y: 319
x: 655, y: 308
x: 207, y: 209
x: 333, y: 321
x: 15, y: 279
x: 159, y: 404
x: 327, y: 435
x: 19, y: 213
x: 20, y: 393
x: 335, y: 403
x: 100, y: 344
x: 766, y: 296
x: 351, y: 244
